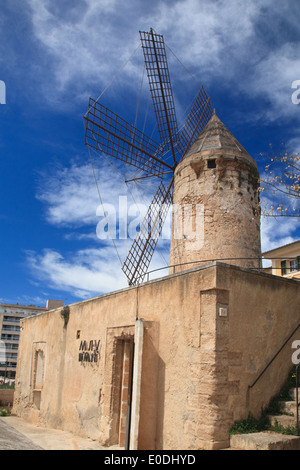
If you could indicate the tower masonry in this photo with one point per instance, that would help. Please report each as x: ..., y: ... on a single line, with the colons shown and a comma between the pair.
x: 216, y: 212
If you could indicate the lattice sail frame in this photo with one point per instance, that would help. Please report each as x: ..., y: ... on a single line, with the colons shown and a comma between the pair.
x: 140, y: 254
x: 107, y: 132
x: 199, y: 115
x: 160, y: 88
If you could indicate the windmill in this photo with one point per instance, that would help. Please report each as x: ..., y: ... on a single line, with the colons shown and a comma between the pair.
x: 108, y: 133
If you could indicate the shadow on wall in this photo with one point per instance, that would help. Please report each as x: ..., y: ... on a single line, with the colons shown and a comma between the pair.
x: 152, y: 392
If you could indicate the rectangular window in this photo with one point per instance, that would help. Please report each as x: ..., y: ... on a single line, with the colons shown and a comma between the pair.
x: 283, y: 268
x: 298, y: 263
x: 37, y: 373
x: 293, y: 265
x: 211, y: 163
x: 39, y: 370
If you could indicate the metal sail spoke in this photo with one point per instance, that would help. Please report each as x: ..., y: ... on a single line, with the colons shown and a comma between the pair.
x: 109, y: 133
x: 199, y: 115
x: 139, y: 257
x: 160, y: 88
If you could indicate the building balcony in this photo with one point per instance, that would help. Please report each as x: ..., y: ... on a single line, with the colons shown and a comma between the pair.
x: 10, y: 337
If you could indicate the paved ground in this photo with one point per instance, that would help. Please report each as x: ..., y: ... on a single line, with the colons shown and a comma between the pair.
x: 11, y: 439
x: 17, y: 434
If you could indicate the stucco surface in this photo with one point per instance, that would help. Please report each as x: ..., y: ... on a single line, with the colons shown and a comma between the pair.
x: 208, y: 333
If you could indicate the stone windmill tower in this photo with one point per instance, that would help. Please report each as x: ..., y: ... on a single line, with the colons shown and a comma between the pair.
x: 216, y: 202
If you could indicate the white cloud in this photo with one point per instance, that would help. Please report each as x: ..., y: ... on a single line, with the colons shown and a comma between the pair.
x: 32, y: 300
x: 278, y: 231
x: 294, y: 145
x: 247, y: 45
x: 87, y: 42
x: 85, y: 273
x: 68, y: 33
x: 72, y: 50
x: 91, y: 271
x: 208, y: 33
x: 73, y: 206
x: 272, y: 80
x: 83, y: 41
x: 70, y: 196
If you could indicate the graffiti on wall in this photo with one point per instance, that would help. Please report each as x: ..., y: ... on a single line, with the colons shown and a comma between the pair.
x: 89, y: 351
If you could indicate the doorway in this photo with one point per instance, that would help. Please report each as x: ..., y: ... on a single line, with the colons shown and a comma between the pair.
x: 122, y: 390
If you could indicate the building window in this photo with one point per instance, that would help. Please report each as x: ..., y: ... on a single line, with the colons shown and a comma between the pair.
x: 39, y: 370
x: 38, y: 378
x: 10, y: 337
x: 293, y: 265
x: 283, y: 268
x: 37, y: 373
x: 12, y: 319
x: 211, y: 163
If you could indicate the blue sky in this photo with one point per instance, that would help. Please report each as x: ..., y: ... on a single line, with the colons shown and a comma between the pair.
x: 54, y: 54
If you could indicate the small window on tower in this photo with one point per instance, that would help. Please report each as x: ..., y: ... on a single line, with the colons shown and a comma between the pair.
x: 211, y: 163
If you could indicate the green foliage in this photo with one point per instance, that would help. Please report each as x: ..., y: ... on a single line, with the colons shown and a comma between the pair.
x: 282, y: 430
x: 251, y: 424
x: 4, y: 412
x: 284, y: 394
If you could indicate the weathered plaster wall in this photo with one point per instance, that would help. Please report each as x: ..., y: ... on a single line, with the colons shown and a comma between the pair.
x: 6, y: 396
x: 263, y: 312
x: 196, y: 364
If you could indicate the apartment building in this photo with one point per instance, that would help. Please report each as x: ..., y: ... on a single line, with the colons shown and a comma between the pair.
x: 10, y: 316
x: 285, y: 260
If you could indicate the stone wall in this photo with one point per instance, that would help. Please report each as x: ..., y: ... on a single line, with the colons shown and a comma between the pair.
x: 226, y: 220
x: 6, y: 397
x: 216, y: 194
x: 208, y: 333
x: 263, y: 312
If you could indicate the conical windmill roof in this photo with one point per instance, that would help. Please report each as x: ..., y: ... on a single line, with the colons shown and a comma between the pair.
x: 216, y: 137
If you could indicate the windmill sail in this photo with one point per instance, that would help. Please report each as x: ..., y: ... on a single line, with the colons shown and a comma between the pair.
x: 160, y: 88
x: 138, y: 259
x: 109, y: 133
x: 199, y: 115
